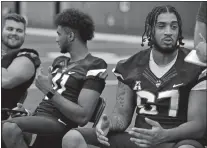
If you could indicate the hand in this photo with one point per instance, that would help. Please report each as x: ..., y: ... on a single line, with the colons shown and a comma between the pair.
x: 50, y: 75
x: 102, y: 130
x: 201, y: 51
x: 20, y: 108
x: 103, y: 75
x: 148, y: 137
x: 42, y: 82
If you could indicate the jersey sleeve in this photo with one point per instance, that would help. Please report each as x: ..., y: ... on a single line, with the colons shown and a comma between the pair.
x: 125, y: 70
x: 60, y: 62
x: 93, y: 81
x: 30, y: 54
x: 202, y: 81
x: 120, y: 71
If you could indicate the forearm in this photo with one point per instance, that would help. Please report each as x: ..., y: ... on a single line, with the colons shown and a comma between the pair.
x: 188, y: 130
x: 70, y: 109
x: 200, y: 28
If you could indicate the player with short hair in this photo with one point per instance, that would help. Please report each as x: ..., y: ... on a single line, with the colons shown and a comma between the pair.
x: 157, y: 83
x: 16, y: 82
x: 72, y: 87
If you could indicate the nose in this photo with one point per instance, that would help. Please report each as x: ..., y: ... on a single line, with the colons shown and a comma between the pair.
x: 168, y: 31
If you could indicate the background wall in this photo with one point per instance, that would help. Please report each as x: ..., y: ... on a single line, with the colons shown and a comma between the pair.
x: 113, y: 17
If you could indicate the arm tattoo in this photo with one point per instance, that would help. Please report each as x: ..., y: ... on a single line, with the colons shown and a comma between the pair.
x: 120, y: 117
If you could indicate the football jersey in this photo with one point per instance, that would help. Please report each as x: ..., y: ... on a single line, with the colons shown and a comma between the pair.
x: 162, y: 99
x: 10, y: 97
x: 69, y: 78
x: 202, y: 81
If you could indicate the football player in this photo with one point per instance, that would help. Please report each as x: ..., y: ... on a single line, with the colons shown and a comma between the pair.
x: 157, y: 83
x: 200, y: 89
x: 18, y: 65
x: 72, y: 87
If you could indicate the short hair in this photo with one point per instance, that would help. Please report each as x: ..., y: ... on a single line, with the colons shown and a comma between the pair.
x: 151, y: 21
x: 16, y: 17
x: 78, y: 21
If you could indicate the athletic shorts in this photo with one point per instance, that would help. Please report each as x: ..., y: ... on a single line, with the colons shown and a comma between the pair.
x: 45, y: 131
x: 122, y: 140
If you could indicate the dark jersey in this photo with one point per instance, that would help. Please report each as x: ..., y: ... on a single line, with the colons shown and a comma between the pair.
x: 69, y: 79
x: 162, y: 99
x: 10, y: 97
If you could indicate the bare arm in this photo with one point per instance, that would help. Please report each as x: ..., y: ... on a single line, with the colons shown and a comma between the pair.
x: 20, y: 70
x: 124, y: 108
x: 200, y: 27
x: 81, y: 112
x: 195, y: 127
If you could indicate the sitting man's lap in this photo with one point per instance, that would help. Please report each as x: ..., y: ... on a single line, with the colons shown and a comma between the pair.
x: 122, y: 140
x: 44, y: 126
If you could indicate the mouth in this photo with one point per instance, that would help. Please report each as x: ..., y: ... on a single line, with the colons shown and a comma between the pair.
x: 168, y: 41
x: 14, y: 38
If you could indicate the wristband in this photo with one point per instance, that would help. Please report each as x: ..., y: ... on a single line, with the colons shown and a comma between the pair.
x: 50, y: 94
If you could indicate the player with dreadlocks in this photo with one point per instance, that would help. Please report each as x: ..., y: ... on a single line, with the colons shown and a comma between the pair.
x: 157, y: 83
x: 151, y: 22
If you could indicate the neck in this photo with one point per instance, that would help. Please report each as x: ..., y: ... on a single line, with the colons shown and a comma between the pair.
x: 163, y: 59
x: 78, y: 52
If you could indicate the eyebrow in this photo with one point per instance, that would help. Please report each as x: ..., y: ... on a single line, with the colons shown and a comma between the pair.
x: 167, y: 22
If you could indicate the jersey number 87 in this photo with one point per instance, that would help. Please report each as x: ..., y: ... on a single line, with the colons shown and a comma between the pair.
x: 173, y: 95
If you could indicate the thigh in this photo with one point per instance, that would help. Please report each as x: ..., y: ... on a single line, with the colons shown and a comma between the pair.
x: 89, y: 135
x: 116, y: 140
x: 194, y: 143
x: 42, y: 125
x: 120, y: 140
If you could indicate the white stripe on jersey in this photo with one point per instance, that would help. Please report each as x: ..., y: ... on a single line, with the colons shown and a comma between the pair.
x: 117, y: 74
x: 95, y: 72
x: 203, y: 84
x: 200, y: 86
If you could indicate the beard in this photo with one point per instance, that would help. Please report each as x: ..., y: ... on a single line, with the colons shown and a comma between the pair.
x: 18, y: 44
x: 164, y: 50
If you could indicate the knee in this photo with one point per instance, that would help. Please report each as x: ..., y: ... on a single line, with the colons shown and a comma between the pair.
x: 186, y: 146
x: 72, y: 139
x: 10, y: 130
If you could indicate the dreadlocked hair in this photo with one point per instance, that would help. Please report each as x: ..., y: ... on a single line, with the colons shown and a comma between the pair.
x: 151, y: 21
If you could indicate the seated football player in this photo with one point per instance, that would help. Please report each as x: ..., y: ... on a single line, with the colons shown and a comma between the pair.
x: 200, y: 90
x: 18, y: 66
x: 157, y: 83
x: 72, y: 88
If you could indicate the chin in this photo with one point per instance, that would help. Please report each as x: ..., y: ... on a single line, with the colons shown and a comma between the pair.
x: 63, y: 51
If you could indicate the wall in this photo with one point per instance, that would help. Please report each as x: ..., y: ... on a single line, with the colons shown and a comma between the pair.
x: 107, y: 15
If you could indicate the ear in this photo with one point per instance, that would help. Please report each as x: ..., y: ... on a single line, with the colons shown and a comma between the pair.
x: 71, y: 37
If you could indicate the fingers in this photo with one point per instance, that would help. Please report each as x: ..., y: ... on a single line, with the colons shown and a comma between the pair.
x: 103, y: 75
x: 152, y: 122
x: 139, y: 136
x: 201, y: 36
x: 141, y: 142
x: 101, y: 138
x: 49, y: 69
x: 142, y: 131
x: 19, y: 105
